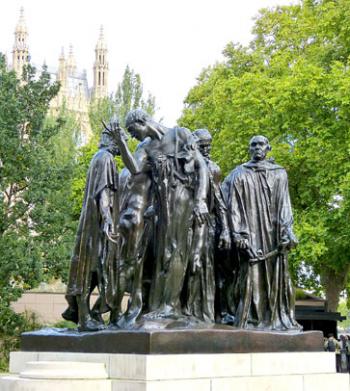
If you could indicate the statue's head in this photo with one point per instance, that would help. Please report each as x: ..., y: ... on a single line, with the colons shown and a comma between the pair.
x: 259, y: 146
x: 203, y: 139
x: 108, y: 142
x: 137, y: 122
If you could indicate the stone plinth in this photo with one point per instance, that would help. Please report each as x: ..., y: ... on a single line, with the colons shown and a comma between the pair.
x: 58, y: 376
x: 215, y: 340
x: 217, y: 359
x: 308, y: 371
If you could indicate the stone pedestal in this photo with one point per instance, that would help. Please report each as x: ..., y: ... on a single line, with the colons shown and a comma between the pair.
x: 57, y: 376
x: 297, y: 371
x: 217, y: 359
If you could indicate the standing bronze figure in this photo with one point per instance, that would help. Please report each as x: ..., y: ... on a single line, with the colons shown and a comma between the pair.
x: 94, y: 260
x: 169, y: 190
x: 261, y: 220
x: 213, y: 232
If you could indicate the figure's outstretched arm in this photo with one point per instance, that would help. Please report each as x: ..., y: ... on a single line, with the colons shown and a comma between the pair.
x: 128, y: 159
x: 120, y: 136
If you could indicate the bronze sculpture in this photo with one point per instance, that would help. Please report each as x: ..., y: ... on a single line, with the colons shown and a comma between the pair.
x: 261, y: 220
x: 168, y: 195
x: 213, y: 232
x: 94, y: 256
x: 157, y: 230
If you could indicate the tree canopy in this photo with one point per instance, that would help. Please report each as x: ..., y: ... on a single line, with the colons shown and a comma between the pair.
x: 291, y: 84
x: 36, y: 163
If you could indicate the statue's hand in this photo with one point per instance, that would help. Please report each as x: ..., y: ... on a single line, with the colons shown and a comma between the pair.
x: 119, y: 133
x: 287, y: 244
x: 108, y: 228
x: 149, y: 213
x: 224, y: 240
x: 200, y: 212
x: 117, y: 130
x: 241, y: 242
x: 293, y: 241
x: 114, y: 123
x: 196, y: 263
x: 288, y: 241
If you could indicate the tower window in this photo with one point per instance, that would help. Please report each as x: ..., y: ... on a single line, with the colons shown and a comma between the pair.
x: 18, y: 58
x: 103, y: 78
x: 99, y: 78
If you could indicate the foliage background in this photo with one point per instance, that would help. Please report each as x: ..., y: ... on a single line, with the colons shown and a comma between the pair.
x: 291, y: 84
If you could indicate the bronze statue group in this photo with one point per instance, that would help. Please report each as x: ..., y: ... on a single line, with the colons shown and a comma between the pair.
x: 189, y: 251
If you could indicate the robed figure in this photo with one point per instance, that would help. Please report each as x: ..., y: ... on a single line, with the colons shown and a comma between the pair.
x: 180, y: 179
x: 167, y: 194
x: 208, y: 237
x: 94, y: 260
x: 261, y: 221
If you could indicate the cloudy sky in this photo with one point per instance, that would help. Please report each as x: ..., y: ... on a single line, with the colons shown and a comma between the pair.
x: 167, y: 41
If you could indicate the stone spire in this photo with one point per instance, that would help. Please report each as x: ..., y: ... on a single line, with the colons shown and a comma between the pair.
x: 71, y: 65
x: 100, y: 87
x: 20, y: 53
x: 62, y: 71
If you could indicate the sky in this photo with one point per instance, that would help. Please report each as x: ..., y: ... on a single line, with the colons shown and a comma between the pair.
x: 168, y: 42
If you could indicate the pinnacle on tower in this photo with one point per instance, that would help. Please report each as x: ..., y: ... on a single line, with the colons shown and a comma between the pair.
x: 100, y: 87
x: 101, y: 43
x: 62, y: 69
x: 71, y: 64
x: 62, y: 54
x: 21, y: 25
x: 20, y: 53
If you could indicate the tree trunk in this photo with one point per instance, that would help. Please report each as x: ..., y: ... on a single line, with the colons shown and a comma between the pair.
x: 334, y: 283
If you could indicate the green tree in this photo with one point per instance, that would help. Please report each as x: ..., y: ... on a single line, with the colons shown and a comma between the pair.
x: 100, y: 109
x: 129, y: 95
x: 292, y: 85
x: 35, y: 166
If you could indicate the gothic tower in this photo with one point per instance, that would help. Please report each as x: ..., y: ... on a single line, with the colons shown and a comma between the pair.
x: 20, y: 54
x: 100, y: 87
x: 61, y: 73
x: 71, y: 63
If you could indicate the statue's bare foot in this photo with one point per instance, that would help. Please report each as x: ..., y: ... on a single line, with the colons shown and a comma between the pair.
x: 164, y: 312
x: 91, y: 325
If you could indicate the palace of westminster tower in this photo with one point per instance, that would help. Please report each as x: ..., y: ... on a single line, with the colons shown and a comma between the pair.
x: 74, y: 93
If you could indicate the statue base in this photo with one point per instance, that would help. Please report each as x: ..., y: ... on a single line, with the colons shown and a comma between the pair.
x: 59, y: 371
x: 219, y: 339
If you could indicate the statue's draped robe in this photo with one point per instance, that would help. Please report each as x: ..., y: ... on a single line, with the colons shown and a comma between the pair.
x: 174, y: 183
x: 259, y: 210
x: 201, y: 281
x: 93, y: 252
